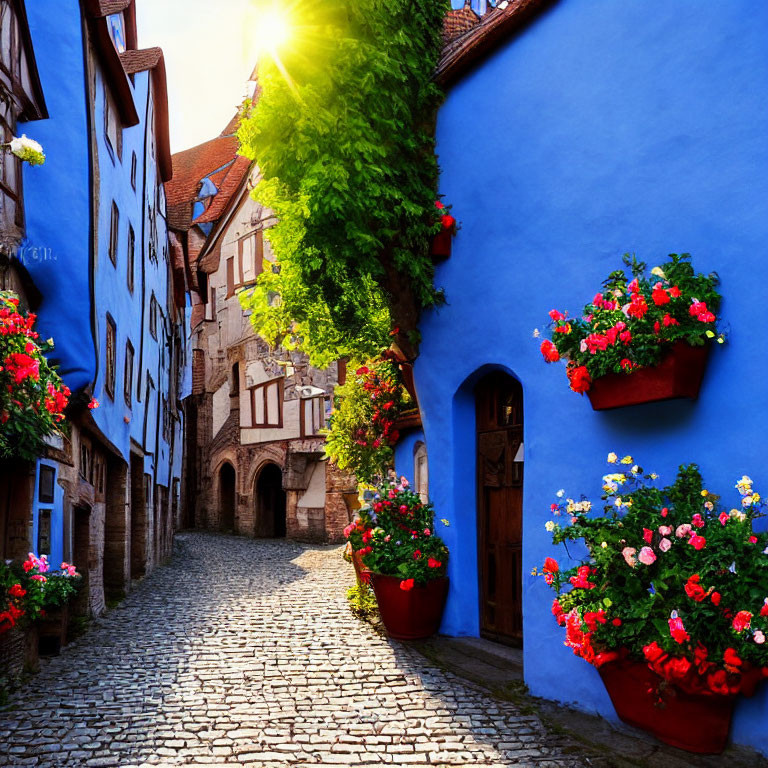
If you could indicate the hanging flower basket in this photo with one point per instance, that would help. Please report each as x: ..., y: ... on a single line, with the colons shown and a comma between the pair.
x: 440, y: 247
x: 412, y: 614
x: 639, y: 340
x: 693, y: 722
x: 678, y: 375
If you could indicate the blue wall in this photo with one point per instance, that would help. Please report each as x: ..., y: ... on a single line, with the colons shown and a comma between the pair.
x: 635, y: 126
x: 57, y: 195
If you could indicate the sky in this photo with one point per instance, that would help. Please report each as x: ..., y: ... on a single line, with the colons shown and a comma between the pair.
x: 208, y: 58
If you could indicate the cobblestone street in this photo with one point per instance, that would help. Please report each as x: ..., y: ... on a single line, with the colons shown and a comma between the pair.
x: 243, y: 652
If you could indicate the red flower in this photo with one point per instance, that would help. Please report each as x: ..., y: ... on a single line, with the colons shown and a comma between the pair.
x: 647, y: 535
x: 579, y: 378
x: 764, y: 609
x: 556, y: 316
x: 17, y: 591
x: 551, y: 566
x: 724, y: 517
x: 581, y: 580
x: 634, y: 286
x: 741, y: 621
x: 677, y: 630
x: 563, y: 328
x: 549, y: 350
x: 660, y: 296
x: 417, y: 554
x: 700, y: 654
x: 694, y: 590
x: 616, y: 622
x: 432, y: 563
x: 698, y: 520
x: 715, y: 598
x: 93, y: 404
x: 677, y: 667
x: 731, y: 658
x: 447, y: 221
x: 674, y: 292
x: 638, y: 306
x: 664, y: 512
x: 406, y: 585
x: 22, y: 366
x: 653, y: 652
x: 657, y: 327
x: 697, y: 542
x: 669, y: 320
x: 557, y: 612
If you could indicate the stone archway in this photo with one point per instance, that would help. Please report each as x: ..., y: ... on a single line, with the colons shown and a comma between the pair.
x: 270, y: 500
x: 227, y: 496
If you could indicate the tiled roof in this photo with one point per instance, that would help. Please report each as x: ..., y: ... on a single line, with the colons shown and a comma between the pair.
x: 459, y: 21
x: 236, y: 175
x: 461, y: 52
x: 210, y: 159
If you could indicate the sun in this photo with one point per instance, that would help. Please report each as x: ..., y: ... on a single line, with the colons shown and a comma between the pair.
x: 269, y: 29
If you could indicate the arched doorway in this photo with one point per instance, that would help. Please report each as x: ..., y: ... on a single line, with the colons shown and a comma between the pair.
x: 270, y: 503
x: 227, y: 497
x: 499, y: 411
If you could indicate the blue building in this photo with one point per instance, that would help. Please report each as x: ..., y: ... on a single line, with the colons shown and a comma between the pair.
x: 574, y: 132
x: 111, y: 299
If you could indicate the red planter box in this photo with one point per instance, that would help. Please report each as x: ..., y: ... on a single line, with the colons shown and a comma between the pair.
x: 679, y: 374
x: 440, y: 248
x: 412, y: 614
x: 687, y: 721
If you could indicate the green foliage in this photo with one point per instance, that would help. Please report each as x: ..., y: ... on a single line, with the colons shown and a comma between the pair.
x: 402, y: 541
x: 362, y: 601
x: 361, y: 432
x: 343, y: 135
x: 631, y: 324
x: 32, y: 395
x: 668, y: 575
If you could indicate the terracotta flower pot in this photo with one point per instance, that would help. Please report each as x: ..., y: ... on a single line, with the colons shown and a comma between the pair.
x: 362, y: 571
x: 679, y: 374
x: 412, y: 614
x: 693, y: 722
x: 440, y: 248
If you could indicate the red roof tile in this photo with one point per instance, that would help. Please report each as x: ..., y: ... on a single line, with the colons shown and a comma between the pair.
x: 495, y: 27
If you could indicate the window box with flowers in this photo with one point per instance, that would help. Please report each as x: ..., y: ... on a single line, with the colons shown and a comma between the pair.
x: 406, y: 559
x: 671, y: 605
x: 642, y: 340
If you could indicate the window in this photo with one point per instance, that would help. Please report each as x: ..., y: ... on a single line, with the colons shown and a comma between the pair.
x: 128, y: 383
x: 134, y: 163
x: 113, y: 233
x: 113, y: 131
x: 131, y: 257
x: 267, y: 404
x: 230, y: 277
x: 312, y: 415
x: 85, y: 461
x: 45, y: 491
x: 421, y: 471
x: 250, y: 258
x: 109, y: 383
x: 117, y: 31
x: 234, y: 387
x: 44, y: 531
x: 99, y: 479
x: 210, y: 309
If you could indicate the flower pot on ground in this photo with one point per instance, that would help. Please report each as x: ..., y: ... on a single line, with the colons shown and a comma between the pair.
x: 672, y: 599
x: 693, y: 722
x: 408, y: 562
x: 440, y: 247
x: 642, y: 340
x: 412, y: 614
x: 679, y: 374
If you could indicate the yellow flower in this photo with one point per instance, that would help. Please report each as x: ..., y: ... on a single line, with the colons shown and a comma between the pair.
x: 653, y: 476
x: 705, y: 492
x: 612, y: 458
x: 755, y: 498
x: 604, y: 545
x: 445, y: 522
x: 658, y: 271
x: 627, y: 460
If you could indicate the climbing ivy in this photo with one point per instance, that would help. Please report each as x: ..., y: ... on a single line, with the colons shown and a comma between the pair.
x: 343, y: 133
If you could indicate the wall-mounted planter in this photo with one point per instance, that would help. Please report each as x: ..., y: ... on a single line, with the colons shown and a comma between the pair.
x: 412, y: 614
x: 679, y: 374
x: 693, y: 722
x: 440, y: 248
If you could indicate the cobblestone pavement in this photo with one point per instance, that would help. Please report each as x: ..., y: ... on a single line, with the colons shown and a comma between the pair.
x: 244, y: 653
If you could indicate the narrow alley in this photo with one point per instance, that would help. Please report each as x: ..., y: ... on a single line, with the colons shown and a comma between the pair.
x: 244, y: 652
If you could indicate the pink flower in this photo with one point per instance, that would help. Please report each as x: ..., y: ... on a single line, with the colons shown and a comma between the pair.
x: 677, y: 630
x: 683, y: 530
x: 628, y: 554
x: 741, y: 621
x: 665, y: 530
x: 664, y: 512
x: 753, y: 539
x: 698, y: 520
x: 38, y: 577
x: 427, y: 532
x: 665, y: 545
x: 724, y: 517
x: 759, y: 637
x: 647, y: 556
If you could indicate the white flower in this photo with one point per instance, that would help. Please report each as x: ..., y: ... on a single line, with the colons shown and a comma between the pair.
x: 560, y: 494
x: 635, y: 470
x: 612, y: 458
x: 28, y: 150
x: 536, y: 333
x: 550, y: 525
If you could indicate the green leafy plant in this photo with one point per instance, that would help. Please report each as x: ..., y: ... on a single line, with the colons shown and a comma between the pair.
x: 402, y: 540
x: 633, y: 324
x: 361, y: 432
x: 671, y: 579
x: 362, y: 601
x: 32, y: 395
x: 342, y: 131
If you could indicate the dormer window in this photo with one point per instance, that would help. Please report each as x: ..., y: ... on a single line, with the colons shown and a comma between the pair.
x: 116, y: 24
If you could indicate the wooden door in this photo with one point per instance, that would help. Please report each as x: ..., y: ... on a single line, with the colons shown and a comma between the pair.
x: 499, y: 403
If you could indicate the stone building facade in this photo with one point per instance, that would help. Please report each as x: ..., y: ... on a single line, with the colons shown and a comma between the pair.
x: 258, y: 413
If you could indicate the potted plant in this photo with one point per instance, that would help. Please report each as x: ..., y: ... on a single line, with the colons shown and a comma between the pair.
x: 408, y: 562
x: 639, y: 340
x: 440, y: 248
x: 671, y: 603
x: 358, y: 534
x: 60, y: 588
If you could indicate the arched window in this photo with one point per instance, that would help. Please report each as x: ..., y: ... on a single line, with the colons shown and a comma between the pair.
x: 421, y: 471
